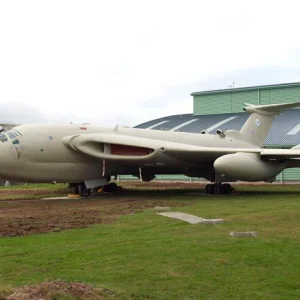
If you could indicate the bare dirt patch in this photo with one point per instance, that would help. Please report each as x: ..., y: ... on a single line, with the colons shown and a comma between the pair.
x: 165, y: 184
x: 23, y: 217
x: 55, y: 290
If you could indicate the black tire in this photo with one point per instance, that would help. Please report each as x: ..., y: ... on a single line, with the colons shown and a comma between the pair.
x: 76, y: 189
x: 106, y: 188
x: 217, y: 189
x: 206, y: 189
x: 113, y: 186
x: 83, y: 191
x: 110, y: 188
x: 220, y: 189
x: 227, y: 188
x: 211, y: 189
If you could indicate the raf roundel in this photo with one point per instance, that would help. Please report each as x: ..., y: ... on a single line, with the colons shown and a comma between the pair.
x: 257, y: 122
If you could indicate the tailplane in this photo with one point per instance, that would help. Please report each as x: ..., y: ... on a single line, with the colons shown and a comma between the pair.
x: 260, y: 121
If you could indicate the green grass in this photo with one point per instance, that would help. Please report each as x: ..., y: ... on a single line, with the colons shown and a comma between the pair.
x: 5, y: 290
x: 37, y: 186
x: 145, y: 256
x: 32, y: 191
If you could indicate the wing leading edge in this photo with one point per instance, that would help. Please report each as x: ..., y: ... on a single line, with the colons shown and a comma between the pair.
x: 118, y: 147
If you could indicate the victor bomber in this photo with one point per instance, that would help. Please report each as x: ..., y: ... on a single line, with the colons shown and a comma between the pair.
x: 87, y: 156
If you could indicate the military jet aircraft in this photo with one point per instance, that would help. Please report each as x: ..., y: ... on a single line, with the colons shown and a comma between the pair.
x: 87, y: 156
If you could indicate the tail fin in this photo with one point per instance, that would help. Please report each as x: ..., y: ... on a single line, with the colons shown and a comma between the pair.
x: 260, y: 121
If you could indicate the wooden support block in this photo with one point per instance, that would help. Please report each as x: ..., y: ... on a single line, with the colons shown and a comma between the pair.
x: 73, y: 196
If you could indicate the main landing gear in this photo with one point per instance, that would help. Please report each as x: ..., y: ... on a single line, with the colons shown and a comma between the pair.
x: 83, y: 191
x: 110, y: 188
x: 80, y: 189
x: 218, y: 188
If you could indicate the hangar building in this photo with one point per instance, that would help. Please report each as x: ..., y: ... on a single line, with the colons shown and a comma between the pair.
x: 223, y: 109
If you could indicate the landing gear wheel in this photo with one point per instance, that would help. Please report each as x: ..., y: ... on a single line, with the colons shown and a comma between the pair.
x: 76, y: 189
x: 227, y: 188
x: 83, y: 191
x: 210, y: 189
x: 219, y: 188
x: 113, y: 186
x: 206, y: 189
x: 110, y: 188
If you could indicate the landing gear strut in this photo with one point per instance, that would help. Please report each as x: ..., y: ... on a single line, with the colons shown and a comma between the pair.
x: 218, y: 188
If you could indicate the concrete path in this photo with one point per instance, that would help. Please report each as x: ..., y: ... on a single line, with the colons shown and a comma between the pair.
x: 55, y: 198
x: 190, y: 218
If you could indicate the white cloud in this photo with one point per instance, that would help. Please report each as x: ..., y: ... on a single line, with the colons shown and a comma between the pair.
x: 129, y: 61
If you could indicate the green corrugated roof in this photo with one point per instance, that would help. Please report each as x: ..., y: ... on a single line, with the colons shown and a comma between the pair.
x: 249, y: 88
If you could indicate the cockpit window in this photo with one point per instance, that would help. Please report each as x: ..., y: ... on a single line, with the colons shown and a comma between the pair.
x: 3, y: 137
x: 11, y: 134
x: 17, y: 132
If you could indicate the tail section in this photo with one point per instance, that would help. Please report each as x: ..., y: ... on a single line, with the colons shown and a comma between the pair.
x: 260, y: 121
x: 256, y: 128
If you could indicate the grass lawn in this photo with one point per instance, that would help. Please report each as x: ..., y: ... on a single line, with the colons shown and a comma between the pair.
x: 32, y: 191
x: 146, y: 256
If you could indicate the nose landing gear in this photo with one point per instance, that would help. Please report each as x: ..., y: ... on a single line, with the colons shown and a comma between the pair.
x: 218, y: 188
x: 111, y: 187
x: 83, y: 191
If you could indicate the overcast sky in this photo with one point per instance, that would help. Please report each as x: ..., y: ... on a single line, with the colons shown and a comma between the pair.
x: 127, y: 62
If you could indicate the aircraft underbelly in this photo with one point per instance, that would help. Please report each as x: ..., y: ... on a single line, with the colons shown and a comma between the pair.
x: 49, y: 172
x: 68, y: 172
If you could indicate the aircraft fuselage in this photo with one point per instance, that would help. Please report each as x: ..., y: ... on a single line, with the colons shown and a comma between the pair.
x: 36, y: 152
